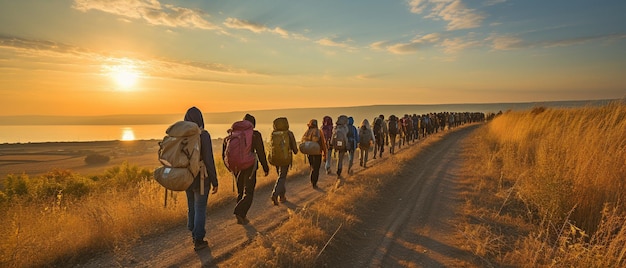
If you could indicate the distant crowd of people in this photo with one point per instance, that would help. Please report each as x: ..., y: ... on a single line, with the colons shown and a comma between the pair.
x: 244, y: 149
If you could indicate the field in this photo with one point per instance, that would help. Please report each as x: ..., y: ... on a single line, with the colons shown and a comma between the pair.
x: 539, y: 188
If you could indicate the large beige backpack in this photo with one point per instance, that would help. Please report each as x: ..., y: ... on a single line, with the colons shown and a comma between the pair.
x: 179, y: 153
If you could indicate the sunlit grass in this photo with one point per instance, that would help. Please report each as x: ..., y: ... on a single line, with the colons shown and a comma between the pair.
x: 101, y: 213
x: 556, y: 178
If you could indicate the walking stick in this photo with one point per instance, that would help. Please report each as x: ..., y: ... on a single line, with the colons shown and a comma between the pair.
x: 165, y: 204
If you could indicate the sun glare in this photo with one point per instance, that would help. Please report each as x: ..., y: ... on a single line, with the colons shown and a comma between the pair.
x: 128, y: 134
x: 125, y: 74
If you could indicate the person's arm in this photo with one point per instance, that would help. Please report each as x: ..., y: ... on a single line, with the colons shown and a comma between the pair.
x: 323, y: 144
x: 259, y: 148
x: 207, y: 158
x: 292, y: 143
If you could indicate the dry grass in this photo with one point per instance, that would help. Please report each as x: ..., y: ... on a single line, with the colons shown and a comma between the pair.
x: 114, y: 214
x: 549, y: 187
x: 301, y: 240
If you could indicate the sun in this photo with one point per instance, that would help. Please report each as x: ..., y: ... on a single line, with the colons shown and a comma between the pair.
x: 125, y: 75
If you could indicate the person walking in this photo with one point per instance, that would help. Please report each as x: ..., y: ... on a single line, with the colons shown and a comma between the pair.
x: 366, y: 136
x: 197, y: 199
x: 380, y: 134
x: 313, y: 144
x: 353, y: 141
x: 340, y: 143
x: 327, y: 128
x: 392, y: 126
x: 283, y: 144
x: 246, y: 178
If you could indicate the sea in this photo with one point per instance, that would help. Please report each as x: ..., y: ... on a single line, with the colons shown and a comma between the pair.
x: 88, y: 133
x: 39, y: 129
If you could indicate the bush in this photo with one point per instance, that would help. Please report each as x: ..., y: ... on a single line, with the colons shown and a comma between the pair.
x: 97, y: 159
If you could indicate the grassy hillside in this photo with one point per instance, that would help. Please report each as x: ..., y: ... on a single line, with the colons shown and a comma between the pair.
x: 550, y: 188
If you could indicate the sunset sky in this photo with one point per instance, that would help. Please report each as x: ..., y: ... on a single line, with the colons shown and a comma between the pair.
x: 101, y: 57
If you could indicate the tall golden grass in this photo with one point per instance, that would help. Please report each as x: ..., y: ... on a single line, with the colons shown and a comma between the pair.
x: 557, y: 179
x: 117, y: 208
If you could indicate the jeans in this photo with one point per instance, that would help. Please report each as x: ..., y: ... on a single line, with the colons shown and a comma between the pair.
x: 315, y: 162
x: 246, y: 182
x: 350, y: 159
x: 340, y: 162
x: 196, y: 211
x: 329, y: 154
x: 279, y: 187
x: 364, y: 153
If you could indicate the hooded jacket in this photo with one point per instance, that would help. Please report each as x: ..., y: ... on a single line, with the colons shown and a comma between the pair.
x: 355, y: 133
x: 322, y: 140
x: 365, y: 127
x: 206, y: 150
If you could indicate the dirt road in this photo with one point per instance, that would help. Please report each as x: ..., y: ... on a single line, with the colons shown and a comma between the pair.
x: 413, y: 227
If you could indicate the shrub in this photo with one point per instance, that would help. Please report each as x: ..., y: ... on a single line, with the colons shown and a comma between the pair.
x: 97, y: 159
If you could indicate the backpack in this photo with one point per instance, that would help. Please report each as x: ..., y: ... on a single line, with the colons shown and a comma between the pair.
x: 378, y: 126
x: 365, y: 135
x: 280, y: 151
x: 310, y: 142
x: 179, y: 152
x: 393, y: 125
x: 238, y: 154
x: 340, y: 134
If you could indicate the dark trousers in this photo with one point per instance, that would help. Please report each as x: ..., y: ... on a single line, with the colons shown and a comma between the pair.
x: 246, y: 181
x: 315, y: 161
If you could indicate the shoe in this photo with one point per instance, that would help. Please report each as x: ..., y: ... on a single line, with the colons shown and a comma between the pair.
x: 241, y: 220
x: 315, y: 186
x: 282, y: 199
x: 200, y: 244
x: 275, y: 200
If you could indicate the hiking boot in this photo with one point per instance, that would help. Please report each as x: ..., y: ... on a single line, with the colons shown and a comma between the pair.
x: 315, y: 186
x: 241, y: 220
x: 275, y: 200
x: 200, y: 244
x: 282, y: 199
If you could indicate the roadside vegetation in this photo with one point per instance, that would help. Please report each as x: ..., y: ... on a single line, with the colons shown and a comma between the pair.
x: 59, y: 217
x: 548, y: 188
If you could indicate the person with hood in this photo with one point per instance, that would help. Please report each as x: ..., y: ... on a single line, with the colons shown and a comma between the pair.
x: 353, y: 141
x: 366, y: 135
x: 314, y: 134
x: 281, y: 125
x: 381, y: 135
x: 246, y: 179
x: 196, y: 199
x: 327, y: 128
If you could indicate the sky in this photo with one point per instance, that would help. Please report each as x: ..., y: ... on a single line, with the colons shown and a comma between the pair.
x: 103, y: 57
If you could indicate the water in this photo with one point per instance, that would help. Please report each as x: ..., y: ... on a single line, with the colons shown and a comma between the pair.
x: 11, y: 133
x: 64, y: 133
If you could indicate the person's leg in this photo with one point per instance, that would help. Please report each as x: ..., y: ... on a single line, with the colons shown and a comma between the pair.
x: 315, y: 161
x: 350, y: 161
x: 279, y: 187
x: 329, y: 153
x: 367, y: 151
x: 248, y: 181
x: 340, y: 162
x: 197, y: 203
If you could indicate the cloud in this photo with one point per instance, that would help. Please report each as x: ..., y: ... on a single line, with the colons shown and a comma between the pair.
x: 333, y: 42
x: 413, y: 46
x: 235, y: 23
x: 506, y: 42
x: 455, y: 45
x: 454, y: 12
x: 151, y: 11
x: 582, y: 40
x: 50, y: 53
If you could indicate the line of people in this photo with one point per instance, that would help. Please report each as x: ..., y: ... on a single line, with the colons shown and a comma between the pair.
x: 244, y: 149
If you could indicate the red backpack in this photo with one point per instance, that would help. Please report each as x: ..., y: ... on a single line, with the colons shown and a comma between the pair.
x: 238, y: 154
